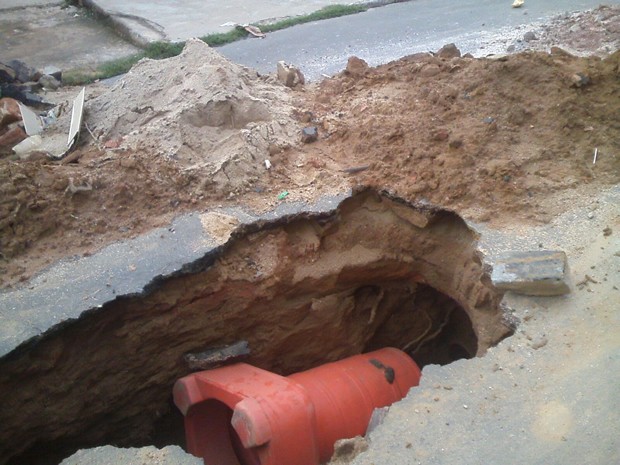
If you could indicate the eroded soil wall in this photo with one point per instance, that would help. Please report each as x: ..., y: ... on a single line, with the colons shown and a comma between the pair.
x: 303, y: 291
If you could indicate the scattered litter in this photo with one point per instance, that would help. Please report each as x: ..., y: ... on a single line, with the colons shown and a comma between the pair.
x: 255, y: 31
x: 595, y: 155
x: 76, y: 118
x: 518, y: 3
x: 283, y: 195
x: 32, y: 122
x: 229, y: 24
x: 267, y: 164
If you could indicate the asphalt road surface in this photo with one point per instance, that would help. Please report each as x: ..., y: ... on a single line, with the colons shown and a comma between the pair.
x: 384, y: 34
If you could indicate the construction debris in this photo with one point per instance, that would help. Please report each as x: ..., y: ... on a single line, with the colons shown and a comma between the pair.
x: 543, y: 273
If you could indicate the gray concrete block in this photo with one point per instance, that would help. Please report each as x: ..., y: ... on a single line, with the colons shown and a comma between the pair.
x: 541, y: 272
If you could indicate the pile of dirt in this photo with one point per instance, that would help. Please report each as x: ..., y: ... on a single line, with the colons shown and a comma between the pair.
x: 498, y: 139
x: 199, y: 109
x: 502, y: 139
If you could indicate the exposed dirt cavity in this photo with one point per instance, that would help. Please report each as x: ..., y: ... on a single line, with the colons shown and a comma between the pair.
x: 302, y: 291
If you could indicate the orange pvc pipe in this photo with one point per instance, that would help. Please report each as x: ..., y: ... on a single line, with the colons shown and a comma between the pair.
x: 242, y: 415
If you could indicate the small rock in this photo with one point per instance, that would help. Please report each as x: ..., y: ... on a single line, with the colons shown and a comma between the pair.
x: 23, y: 72
x: 456, y: 143
x: 449, y: 51
x: 590, y: 215
x: 12, y: 136
x: 532, y: 273
x: 356, y: 66
x: 440, y: 135
x: 511, y: 48
x: 7, y: 74
x: 607, y: 231
x: 430, y: 70
x: 128, y: 163
x: 113, y: 143
x: 48, y: 82
x: 53, y: 71
x: 9, y: 111
x: 580, y: 80
x: 309, y: 134
x: 529, y: 36
x: 289, y: 75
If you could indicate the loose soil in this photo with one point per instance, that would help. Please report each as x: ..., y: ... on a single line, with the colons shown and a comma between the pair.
x: 501, y: 139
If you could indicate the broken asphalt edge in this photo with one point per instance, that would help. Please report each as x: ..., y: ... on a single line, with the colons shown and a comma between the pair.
x: 142, y: 32
x: 73, y: 289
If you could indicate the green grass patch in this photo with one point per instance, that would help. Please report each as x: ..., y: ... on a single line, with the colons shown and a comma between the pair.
x: 331, y: 11
x: 223, y: 38
x: 161, y: 50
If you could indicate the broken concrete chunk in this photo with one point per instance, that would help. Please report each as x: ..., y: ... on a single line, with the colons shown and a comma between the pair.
x: 28, y: 145
x: 309, y: 134
x: 289, y: 75
x: 541, y: 273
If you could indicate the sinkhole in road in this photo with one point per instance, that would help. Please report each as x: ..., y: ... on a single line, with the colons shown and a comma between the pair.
x: 303, y: 290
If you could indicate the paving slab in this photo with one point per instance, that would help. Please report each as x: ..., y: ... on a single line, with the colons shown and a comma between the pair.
x: 537, y: 272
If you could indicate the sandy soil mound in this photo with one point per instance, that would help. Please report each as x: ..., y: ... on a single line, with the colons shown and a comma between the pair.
x: 200, y: 110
